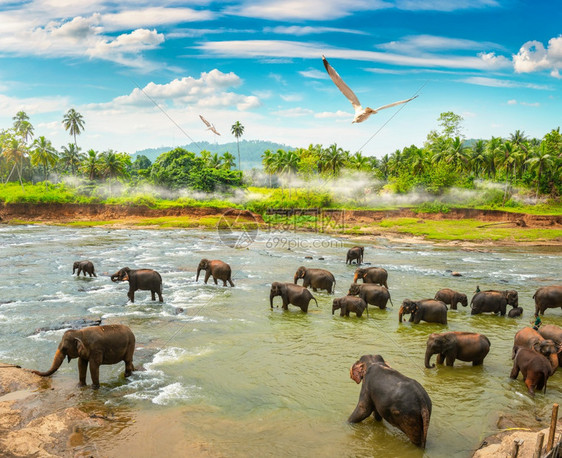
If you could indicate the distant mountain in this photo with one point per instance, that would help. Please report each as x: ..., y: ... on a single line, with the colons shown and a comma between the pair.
x: 250, y: 150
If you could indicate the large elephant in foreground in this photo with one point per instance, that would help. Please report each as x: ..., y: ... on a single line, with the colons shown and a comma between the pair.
x: 547, y: 297
x: 108, y: 344
x: 372, y: 294
x: 388, y: 394
x: 466, y: 346
x: 534, y: 367
x: 316, y: 278
x: 349, y: 304
x: 87, y: 267
x: 291, y: 294
x: 493, y: 301
x: 143, y: 279
x: 428, y: 310
x: 355, y: 253
x: 376, y: 275
x: 218, y: 269
x: 554, y: 333
x: 451, y: 297
x: 532, y: 339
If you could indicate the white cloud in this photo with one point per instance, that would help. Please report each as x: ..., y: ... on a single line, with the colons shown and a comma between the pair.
x: 417, y: 43
x: 293, y: 112
x: 534, y: 57
x: 331, y: 114
x: 444, y: 5
x: 32, y: 105
x: 151, y: 17
x: 291, y: 97
x: 512, y: 102
x: 315, y: 74
x: 528, y: 104
x: 297, y: 30
x: 495, y: 82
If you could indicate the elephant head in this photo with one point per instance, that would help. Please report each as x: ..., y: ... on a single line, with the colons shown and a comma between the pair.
x: 277, y: 289
x: 121, y: 275
x: 437, y: 343
x: 408, y: 306
x: 354, y: 289
x: 336, y: 304
x: 204, y: 264
x: 511, y: 297
x: 359, y: 273
x: 463, y: 299
x: 70, y: 347
x: 300, y: 273
x: 75, y: 266
x: 359, y: 369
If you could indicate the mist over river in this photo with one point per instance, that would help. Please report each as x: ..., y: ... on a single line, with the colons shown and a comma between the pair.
x: 223, y: 370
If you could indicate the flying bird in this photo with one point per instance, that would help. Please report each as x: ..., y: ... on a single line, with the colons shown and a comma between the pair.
x: 210, y: 126
x: 361, y: 114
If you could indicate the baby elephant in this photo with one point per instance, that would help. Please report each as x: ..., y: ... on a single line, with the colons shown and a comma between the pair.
x: 349, y: 304
x: 515, y: 312
x: 218, y: 269
x: 291, y: 294
x: 144, y: 279
x: 451, y: 297
x: 84, y: 266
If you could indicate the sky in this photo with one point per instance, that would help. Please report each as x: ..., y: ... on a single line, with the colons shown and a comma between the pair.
x: 140, y: 73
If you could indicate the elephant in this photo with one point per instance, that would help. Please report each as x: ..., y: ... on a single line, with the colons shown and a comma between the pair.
x: 515, y: 312
x: 532, y: 339
x: 348, y: 304
x: 355, y: 253
x: 554, y: 333
x: 451, y: 297
x: 107, y: 344
x: 372, y: 294
x: 466, y: 346
x: 218, y: 269
x: 535, y: 369
x: 144, y: 279
x: 493, y: 301
x: 547, y: 297
x: 376, y: 275
x: 317, y: 278
x: 87, y: 267
x: 388, y: 394
x: 428, y: 310
x: 291, y: 294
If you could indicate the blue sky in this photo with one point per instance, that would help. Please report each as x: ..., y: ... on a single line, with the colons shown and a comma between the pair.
x: 497, y: 63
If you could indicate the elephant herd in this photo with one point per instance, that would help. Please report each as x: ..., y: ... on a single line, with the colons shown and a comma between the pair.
x: 385, y: 392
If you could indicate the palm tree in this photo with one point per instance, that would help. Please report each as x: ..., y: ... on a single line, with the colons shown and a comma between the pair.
x: 22, y: 126
x: 215, y: 161
x: 228, y: 160
x: 113, y: 165
x: 237, y: 130
x: 541, y: 161
x: 74, y: 123
x: 71, y: 157
x: 92, y: 164
x: 44, y: 154
x: 14, y: 150
x: 359, y: 162
x: 334, y: 158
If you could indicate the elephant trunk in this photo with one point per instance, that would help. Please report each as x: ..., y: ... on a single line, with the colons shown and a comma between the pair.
x: 198, y: 272
x: 428, y: 354
x: 271, y: 296
x: 400, y: 313
x: 553, y: 358
x: 355, y: 277
x: 296, y: 279
x: 57, y: 361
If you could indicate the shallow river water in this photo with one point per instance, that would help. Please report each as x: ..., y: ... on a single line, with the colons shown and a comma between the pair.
x: 239, y: 379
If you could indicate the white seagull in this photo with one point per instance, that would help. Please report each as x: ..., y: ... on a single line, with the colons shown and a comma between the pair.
x: 361, y: 114
x: 210, y: 126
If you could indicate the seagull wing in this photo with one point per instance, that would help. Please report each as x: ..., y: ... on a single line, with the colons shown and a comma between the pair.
x: 344, y: 88
x: 395, y: 103
x: 212, y: 129
x: 207, y: 123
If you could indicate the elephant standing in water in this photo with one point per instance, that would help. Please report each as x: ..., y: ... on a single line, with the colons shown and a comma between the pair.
x: 376, y: 275
x: 535, y: 369
x: 532, y: 339
x: 466, y: 346
x: 451, y: 297
x: 554, y: 333
x: 349, y: 304
x: 493, y: 301
x: 355, y: 253
x: 547, y: 297
x: 291, y: 294
x: 372, y: 294
x: 218, y: 269
x: 96, y: 345
x: 388, y: 394
x: 143, y: 279
x: 317, y: 278
x: 428, y: 310
x: 87, y: 267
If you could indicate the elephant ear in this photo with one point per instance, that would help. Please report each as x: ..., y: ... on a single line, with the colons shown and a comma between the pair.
x: 81, y: 348
x: 357, y: 371
x: 537, y: 347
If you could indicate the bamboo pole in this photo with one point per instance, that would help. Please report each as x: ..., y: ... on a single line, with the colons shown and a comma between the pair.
x: 538, y: 446
x: 552, y: 430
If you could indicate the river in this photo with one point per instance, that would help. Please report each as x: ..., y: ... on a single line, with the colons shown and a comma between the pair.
x: 223, y: 371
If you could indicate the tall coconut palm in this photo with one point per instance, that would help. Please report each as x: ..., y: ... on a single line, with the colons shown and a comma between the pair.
x: 540, y: 162
x: 14, y: 150
x: 22, y: 126
x: 74, y: 123
x: 237, y: 130
x: 113, y: 165
x: 92, y: 164
x: 71, y: 157
x: 215, y: 161
x: 44, y: 154
x: 333, y: 159
x: 228, y: 160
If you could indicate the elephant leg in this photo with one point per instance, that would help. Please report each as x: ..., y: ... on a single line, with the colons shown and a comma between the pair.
x: 376, y: 414
x: 153, y: 294
x: 514, y: 371
x: 215, y: 280
x: 450, y: 360
x: 454, y: 306
x: 94, y: 274
x: 160, y: 295
x: 129, y: 368
x: 314, y: 289
x: 530, y: 386
x: 359, y: 313
x: 82, y: 369
x: 439, y: 358
x: 207, y: 275
x: 362, y: 411
x: 131, y: 295
x: 79, y: 271
x: 478, y: 362
x: 230, y: 281
x: 95, y: 374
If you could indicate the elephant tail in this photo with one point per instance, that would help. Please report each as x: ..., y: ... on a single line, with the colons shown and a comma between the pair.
x: 334, y: 287
x: 390, y: 298
x: 315, y: 301
x: 425, y: 413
